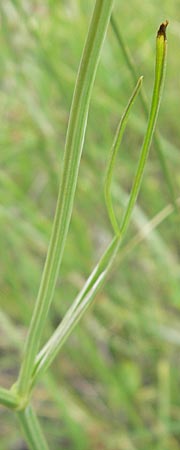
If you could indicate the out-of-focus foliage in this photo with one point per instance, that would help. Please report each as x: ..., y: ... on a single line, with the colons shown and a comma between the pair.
x: 115, y: 384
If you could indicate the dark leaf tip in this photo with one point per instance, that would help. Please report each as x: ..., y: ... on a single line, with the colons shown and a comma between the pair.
x: 162, y: 29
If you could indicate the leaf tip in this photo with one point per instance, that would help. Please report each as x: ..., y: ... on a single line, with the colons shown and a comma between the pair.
x: 162, y: 30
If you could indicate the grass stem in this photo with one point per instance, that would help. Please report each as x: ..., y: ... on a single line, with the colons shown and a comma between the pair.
x: 31, y: 429
x: 73, y: 149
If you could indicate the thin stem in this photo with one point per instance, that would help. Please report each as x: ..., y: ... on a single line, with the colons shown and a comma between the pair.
x: 31, y: 429
x: 161, y: 47
x: 73, y: 149
x: 157, y: 141
x: 7, y: 398
x: 113, y: 154
x: 77, y: 309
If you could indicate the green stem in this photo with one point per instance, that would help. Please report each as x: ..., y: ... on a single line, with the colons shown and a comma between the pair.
x: 77, y: 309
x: 7, y: 398
x: 157, y: 141
x: 113, y: 154
x: 73, y: 149
x: 161, y: 46
x: 31, y: 429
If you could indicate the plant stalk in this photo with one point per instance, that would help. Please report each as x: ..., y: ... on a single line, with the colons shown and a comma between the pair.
x: 73, y: 149
x: 31, y: 429
x: 161, y: 50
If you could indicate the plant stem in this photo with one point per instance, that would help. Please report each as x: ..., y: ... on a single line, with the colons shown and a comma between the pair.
x: 73, y: 149
x: 31, y: 429
x: 77, y: 309
x: 161, y: 47
x: 157, y: 140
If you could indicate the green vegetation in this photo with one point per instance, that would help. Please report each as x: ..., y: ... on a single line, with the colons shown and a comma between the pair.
x: 114, y: 385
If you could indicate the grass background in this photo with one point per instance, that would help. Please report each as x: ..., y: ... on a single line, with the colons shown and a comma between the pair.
x: 115, y: 384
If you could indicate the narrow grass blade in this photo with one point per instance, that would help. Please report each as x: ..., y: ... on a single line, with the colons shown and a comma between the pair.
x: 73, y: 149
x: 157, y: 140
x: 113, y: 154
x: 161, y: 48
x: 79, y: 306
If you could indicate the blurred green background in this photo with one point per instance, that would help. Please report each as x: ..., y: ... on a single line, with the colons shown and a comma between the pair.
x: 115, y: 384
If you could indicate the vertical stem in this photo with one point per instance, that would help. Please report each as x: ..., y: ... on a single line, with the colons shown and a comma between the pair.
x: 73, y: 149
x: 31, y: 429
